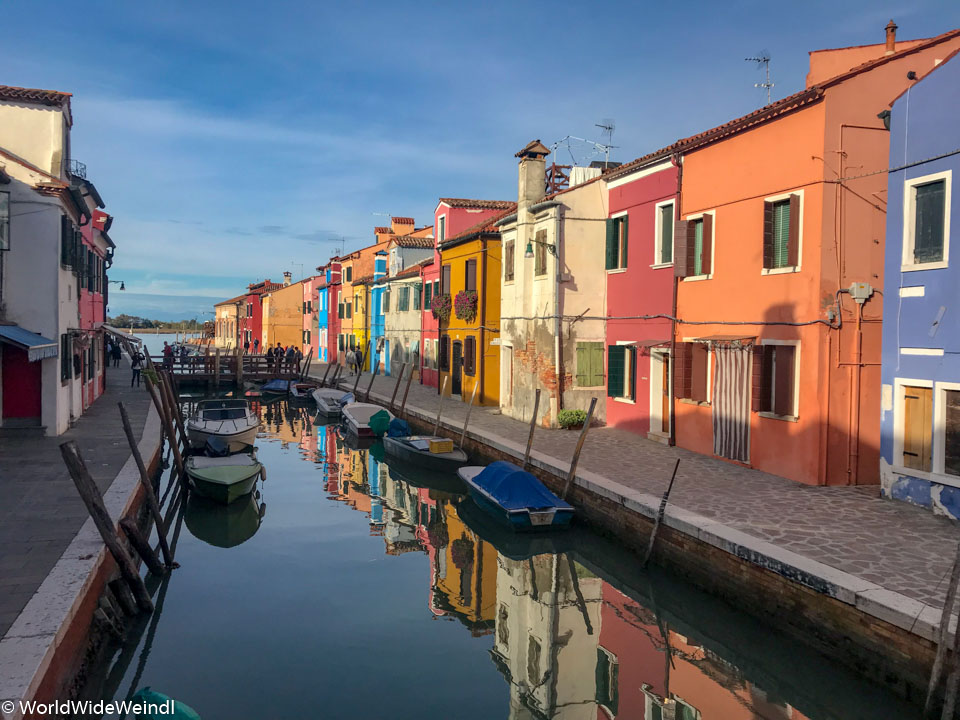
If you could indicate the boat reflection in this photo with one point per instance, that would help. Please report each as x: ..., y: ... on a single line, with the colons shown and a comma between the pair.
x: 222, y: 525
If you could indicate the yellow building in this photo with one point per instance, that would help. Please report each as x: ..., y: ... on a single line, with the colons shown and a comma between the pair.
x: 227, y: 323
x: 361, y: 318
x: 469, y: 341
x: 282, y: 312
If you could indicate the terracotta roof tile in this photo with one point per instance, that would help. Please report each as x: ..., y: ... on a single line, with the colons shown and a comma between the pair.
x: 381, y: 230
x: 402, y: 220
x: 488, y: 225
x: 410, y: 241
x: 232, y: 301
x: 478, y: 204
x: 54, y: 98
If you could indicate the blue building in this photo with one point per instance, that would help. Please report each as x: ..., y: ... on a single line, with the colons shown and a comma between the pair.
x: 377, y: 323
x: 323, y: 305
x: 920, y: 405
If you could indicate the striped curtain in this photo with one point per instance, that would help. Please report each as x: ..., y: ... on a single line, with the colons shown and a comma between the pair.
x: 731, y: 403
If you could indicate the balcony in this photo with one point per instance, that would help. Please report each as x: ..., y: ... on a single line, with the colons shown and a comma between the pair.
x: 77, y: 169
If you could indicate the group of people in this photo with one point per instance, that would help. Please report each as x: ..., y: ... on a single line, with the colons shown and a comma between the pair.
x: 354, y: 360
x: 278, y: 354
x: 113, y: 351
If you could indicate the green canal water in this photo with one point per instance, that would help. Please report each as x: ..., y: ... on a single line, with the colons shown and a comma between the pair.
x: 348, y: 588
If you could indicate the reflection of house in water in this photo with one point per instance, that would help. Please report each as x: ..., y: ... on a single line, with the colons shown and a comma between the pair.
x: 400, y: 532
x: 546, y: 640
x: 282, y: 421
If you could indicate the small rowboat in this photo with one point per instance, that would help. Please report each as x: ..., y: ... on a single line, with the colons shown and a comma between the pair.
x: 514, y: 495
x: 430, y: 452
x: 223, y: 479
x: 302, y: 391
x: 276, y: 386
x: 232, y: 421
x: 328, y: 401
x: 365, y: 420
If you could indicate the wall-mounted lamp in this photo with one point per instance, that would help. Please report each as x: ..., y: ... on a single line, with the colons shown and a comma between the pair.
x: 551, y: 248
x: 122, y: 286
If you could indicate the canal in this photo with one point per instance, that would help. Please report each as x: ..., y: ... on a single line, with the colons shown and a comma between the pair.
x: 348, y: 588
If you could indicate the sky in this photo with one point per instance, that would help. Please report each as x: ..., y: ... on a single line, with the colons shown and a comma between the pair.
x: 232, y: 141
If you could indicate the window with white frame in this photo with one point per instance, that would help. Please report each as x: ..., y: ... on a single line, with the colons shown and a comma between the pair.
x: 947, y: 429
x: 775, y: 378
x: 926, y: 221
x: 621, y: 372
x: 616, y: 250
x: 664, y: 234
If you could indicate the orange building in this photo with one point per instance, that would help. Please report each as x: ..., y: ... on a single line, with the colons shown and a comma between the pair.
x: 779, y: 256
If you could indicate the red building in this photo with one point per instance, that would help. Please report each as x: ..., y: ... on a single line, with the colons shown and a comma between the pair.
x: 251, y: 320
x: 328, y: 321
x: 640, y: 279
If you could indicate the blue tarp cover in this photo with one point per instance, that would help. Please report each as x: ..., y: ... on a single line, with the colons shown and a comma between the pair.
x: 516, y: 489
x: 276, y: 385
x: 398, y: 428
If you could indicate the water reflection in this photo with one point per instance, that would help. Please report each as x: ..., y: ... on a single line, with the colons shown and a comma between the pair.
x: 567, y: 622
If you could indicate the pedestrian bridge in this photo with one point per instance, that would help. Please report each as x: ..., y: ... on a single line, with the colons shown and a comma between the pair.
x: 216, y: 368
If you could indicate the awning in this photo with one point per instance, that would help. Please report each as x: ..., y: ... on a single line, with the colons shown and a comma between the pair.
x: 728, y: 339
x: 121, y: 334
x: 37, y: 346
x: 648, y: 343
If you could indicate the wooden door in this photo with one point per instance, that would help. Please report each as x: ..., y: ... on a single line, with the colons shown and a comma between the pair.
x: 664, y: 393
x: 456, y: 369
x: 917, y: 435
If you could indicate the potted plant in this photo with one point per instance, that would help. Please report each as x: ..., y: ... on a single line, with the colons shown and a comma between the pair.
x: 570, y: 419
x: 465, y: 305
x: 441, y: 306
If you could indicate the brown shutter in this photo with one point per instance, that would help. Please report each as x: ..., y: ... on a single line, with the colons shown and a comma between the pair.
x: 682, y: 370
x: 756, y: 379
x: 768, y: 235
x: 471, y: 283
x: 699, y: 367
x: 793, y: 247
x: 680, y: 268
x: 786, y: 357
x: 706, y: 266
x: 691, y: 247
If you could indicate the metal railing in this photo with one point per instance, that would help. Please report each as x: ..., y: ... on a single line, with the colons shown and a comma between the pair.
x: 77, y: 169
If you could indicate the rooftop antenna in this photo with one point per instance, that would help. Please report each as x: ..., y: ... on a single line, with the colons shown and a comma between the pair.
x: 763, y: 59
x: 607, y: 126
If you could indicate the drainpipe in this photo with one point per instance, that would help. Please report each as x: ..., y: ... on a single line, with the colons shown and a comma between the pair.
x: 557, y: 341
x: 675, y: 159
x: 483, y: 317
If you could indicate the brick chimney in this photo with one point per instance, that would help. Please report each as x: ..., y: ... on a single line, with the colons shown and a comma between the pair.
x: 532, y: 173
x: 287, y: 278
x: 891, y: 38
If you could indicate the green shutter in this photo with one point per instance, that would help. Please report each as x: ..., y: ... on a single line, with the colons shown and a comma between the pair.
x: 596, y: 364
x: 781, y: 233
x: 623, y: 253
x: 616, y: 363
x: 583, y: 364
x: 611, y: 244
x: 698, y: 248
x: 666, y: 234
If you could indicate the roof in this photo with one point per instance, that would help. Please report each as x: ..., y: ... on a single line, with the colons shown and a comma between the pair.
x: 402, y: 220
x: 484, y: 227
x: 780, y: 107
x: 382, y: 230
x: 53, y: 98
x: 412, y: 270
x: 534, y: 148
x: 366, y: 280
x: 481, y: 204
x: 925, y: 75
x: 410, y: 241
x: 232, y: 301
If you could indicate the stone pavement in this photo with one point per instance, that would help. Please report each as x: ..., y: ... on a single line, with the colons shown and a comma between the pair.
x: 900, y: 547
x: 40, y: 510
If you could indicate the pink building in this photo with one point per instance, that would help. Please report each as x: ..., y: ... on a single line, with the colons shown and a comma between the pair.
x: 311, y: 287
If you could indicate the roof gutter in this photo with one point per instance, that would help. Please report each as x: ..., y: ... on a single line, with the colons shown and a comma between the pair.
x: 543, y: 205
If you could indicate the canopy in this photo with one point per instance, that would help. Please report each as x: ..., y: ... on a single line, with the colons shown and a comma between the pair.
x: 516, y: 489
x: 37, y: 346
x: 121, y: 334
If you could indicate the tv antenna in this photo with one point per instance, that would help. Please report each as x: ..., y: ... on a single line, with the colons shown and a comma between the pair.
x: 763, y: 59
x: 607, y: 126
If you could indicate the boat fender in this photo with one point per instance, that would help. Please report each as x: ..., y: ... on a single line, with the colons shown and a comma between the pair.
x: 263, y: 473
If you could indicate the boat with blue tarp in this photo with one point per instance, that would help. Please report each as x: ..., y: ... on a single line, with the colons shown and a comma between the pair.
x: 514, y: 495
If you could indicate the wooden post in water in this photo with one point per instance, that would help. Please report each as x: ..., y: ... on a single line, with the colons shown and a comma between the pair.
x: 168, y: 427
x: 175, y: 408
x: 142, y: 547
x: 373, y: 376
x: 91, y: 497
x: 466, y: 421
x: 216, y: 369
x: 239, y: 375
x: 405, y: 391
x: 147, y: 485
x: 576, y: 452
x: 306, y: 368
x: 443, y: 391
x: 393, y: 398
x: 323, y: 380
x: 360, y: 369
x: 937, y: 671
x: 659, y: 518
x: 533, y: 426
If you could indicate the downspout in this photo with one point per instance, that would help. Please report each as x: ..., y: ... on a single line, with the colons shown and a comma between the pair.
x: 675, y: 159
x: 483, y: 316
x: 557, y: 340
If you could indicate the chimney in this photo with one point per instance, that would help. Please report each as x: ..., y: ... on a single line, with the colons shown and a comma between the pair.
x: 891, y: 38
x: 287, y: 278
x: 532, y: 173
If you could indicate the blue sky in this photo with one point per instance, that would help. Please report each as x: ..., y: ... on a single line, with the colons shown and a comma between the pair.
x: 235, y: 140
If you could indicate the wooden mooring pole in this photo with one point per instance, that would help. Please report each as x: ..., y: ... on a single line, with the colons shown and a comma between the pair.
x: 936, y: 673
x: 216, y: 369
x: 533, y: 426
x: 90, y: 494
x: 576, y: 453
x: 239, y: 375
x: 360, y: 369
x: 393, y: 398
x: 659, y: 518
x: 171, y: 389
x: 466, y: 421
x: 168, y: 428
x: 323, y: 380
x: 140, y: 544
x: 443, y: 392
x: 406, y: 391
x: 373, y: 376
x: 147, y: 485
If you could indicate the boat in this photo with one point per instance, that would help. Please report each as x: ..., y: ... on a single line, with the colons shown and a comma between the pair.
x: 440, y: 485
x: 430, y: 452
x: 512, y: 494
x: 230, y: 420
x: 366, y: 420
x: 156, y: 705
x: 276, y: 386
x: 220, y: 525
x: 514, y: 545
x: 328, y: 401
x: 223, y: 479
x: 302, y: 391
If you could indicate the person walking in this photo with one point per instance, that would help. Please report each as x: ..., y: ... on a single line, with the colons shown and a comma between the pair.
x: 136, y: 365
x: 290, y: 356
x: 358, y: 360
x: 246, y: 347
x: 349, y: 360
x: 117, y: 354
x: 256, y: 346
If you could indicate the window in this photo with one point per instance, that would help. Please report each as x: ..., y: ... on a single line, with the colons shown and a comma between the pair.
x: 435, y: 360
x: 403, y: 302
x: 445, y: 353
x: 503, y: 629
x: 427, y: 292
x: 589, y: 364
x: 470, y: 355
x: 774, y: 379
x: 950, y: 400
x: 470, y: 276
x: 533, y: 660
x: 540, y: 253
x: 66, y: 241
x: 348, y: 310
x: 508, y: 261
x: 340, y: 310
x: 926, y: 219
x: 417, y: 289
x: 442, y: 233
x: 917, y: 420
x: 445, y: 280
x: 340, y: 342
x: 4, y: 221
x: 781, y: 233
x: 617, y: 242
x: 693, y: 242
x: 692, y: 371
x: 349, y: 272
x: 436, y: 288
x: 664, y: 234
x: 621, y: 372
x: 66, y: 357
x: 386, y: 301
x: 91, y: 271
x: 608, y: 677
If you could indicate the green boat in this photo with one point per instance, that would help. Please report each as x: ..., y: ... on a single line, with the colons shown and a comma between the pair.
x: 223, y: 479
x: 224, y: 526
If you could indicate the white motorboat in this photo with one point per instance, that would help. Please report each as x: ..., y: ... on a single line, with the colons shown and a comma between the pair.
x: 357, y: 417
x: 231, y: 421
x: 328, y: 401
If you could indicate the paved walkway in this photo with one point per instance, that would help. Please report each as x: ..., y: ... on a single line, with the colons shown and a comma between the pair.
x: 900, y: 547
x: 40, y: 510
